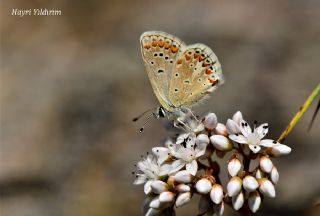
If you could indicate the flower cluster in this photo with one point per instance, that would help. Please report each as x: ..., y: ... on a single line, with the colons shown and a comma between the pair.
x: 186, y: 165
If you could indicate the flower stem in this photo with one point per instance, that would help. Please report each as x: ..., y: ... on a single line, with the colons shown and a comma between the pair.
x: 314, y: 94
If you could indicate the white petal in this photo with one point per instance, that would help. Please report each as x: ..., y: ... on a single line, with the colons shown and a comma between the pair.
x: 200, y: 149
x: 183, y: 199
x: 221, y: 129
x: 234, y: 166
x: 255, y: 148
x: 210, y: 121
x: 192, y: 167
x: 250, y: 183
x: 266, y: 164
x: 262, y: 130
x: 162, y: 154
x: 232, y: 127
x: 183, y: 176
x: 221, y: 143
x: 267, y: 143
x: 176, y: 166
x: 234, y: 186
x: 158, y: 186
x: 266, y: 187
x: 203, y: 186
x: 219, y: 209
x: 238, y: 138
x: 216, y: 193
x: 182, y: 138
x: 166, y: 196
x: 140, y: 179
x: 254, y: 201
x: 245, y: 128
x: 147, y: 187
x: 274, y: 175
x: 165, y: 169
x: 237, y: 117
x: 237, y: 201
x: 280, y: 150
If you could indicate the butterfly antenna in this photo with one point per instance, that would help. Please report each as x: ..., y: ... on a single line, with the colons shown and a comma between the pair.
x: 152, y: 115
x: 142, y: 114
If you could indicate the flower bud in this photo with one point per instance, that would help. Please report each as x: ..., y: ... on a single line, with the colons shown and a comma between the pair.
x: 158, y: 186
x: 155, y: 203
x: 221, y: 143
x: 274, y: 175
x: 237, y: 117
x: 183, y: 176
x: 259, y: 174
x: 210, y: 121
x: 203, y: 186
x: 181, y: 188
x: 254, y: 201
x: 183, y: 199
x: 234, y: 186
x: 166, y: 196
x: 219, y: 209
x: 266, y: 164
x: 232, y: 127
x: 237, y: 201
x: 234, y: 166
x: 266, y: 187
x: 216, y: 193
x: 202, y: 138
x: 152, y: 212
x: 250, y: 183
x: 147, y: 187
x: 279, y: 150
x: 221, y: 129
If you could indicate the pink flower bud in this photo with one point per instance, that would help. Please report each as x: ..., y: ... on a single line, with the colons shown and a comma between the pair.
x: 183, y: 199
x: 254, y: 201
x: 274, y: 175
x: 267, y: 188
x: 237, y: 201
x: 210, y: 121
x: 166, y: 196
x: 158, y: 186
x: 250, y: 183
x: 221, y: 129
x: 183, y: 176
x: 221, y: 142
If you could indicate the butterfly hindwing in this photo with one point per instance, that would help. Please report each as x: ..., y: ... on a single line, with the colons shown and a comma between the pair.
x: 196, y: 73
x: 159, y: 51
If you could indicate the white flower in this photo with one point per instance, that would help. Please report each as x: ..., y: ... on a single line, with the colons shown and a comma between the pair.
x: 203, y: 186
x: 253, y: 137
x: 149, y: 171
x: 186, y: 151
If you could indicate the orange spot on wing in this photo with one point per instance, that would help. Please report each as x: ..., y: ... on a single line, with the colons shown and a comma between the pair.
x: 187, y: 57
x: 174, y: 49
x: 201, y: 59
x: 154, y: 43
x: 160, y: 43
x: 196, y: 56
x: 167, y: 45
x: 205, y: 64
x: 147, y: 46
x: 208, y: 72
x: 179, y: 61
x: 212, y: 81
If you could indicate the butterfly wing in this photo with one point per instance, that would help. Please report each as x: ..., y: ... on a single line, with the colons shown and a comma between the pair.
x: 159, y: 52
x: 196, y: 73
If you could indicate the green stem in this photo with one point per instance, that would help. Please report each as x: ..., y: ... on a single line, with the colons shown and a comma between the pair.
x: 314, y: 94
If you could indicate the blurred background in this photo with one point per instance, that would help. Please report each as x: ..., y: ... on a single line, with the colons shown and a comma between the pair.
x: 71, y: 84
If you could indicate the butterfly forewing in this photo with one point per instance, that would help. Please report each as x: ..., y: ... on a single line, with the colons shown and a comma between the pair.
x: 196, y: 73
x: 159, y: 51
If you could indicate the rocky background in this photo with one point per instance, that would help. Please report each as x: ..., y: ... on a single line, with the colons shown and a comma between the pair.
x: 71, y: 84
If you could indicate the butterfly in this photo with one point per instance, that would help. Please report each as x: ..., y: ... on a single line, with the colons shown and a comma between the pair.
x: 181, y: 75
